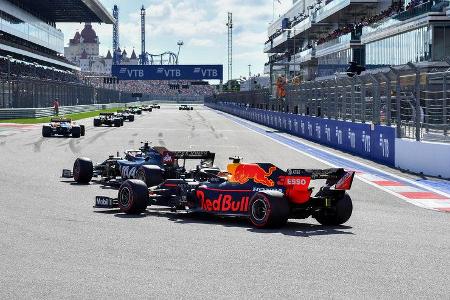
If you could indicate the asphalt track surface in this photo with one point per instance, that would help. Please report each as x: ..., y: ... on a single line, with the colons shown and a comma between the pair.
x: 54, y: 245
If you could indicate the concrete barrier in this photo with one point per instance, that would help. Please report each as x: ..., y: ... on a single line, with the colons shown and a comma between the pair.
x: 423, y: 157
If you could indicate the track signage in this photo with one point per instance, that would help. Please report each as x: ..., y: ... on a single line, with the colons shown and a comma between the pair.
x: 167, y: 72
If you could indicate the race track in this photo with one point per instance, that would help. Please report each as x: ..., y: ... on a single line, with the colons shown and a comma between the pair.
x: 54, y: 245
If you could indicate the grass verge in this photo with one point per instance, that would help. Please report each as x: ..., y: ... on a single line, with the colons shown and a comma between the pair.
x: 74, y: 117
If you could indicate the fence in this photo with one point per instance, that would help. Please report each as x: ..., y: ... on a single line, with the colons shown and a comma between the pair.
x: 37, y: 93
x: 414, y: 99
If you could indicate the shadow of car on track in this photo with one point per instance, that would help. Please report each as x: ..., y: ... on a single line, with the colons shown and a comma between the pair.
x: 291, y: 228
x: 102, y: 185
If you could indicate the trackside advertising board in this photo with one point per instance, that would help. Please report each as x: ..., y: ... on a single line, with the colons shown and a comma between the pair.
x: 167, y: 72
x: 373, y: 142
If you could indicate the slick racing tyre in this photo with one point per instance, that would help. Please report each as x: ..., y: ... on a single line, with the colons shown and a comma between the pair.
x: 116, y: 123
x: 268, y: 209
x: 151, y: 175
x: 76, y: 131
x: 131, y: 118
x: 133, y: 197
x: 83, y: 170
x: 121, y: 122
x: 46, y: 131
x: 83, y: 130
x: 97, y: 122
x: 337, y: 215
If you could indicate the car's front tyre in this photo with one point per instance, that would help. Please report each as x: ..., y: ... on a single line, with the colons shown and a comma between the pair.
x: 83, y: 170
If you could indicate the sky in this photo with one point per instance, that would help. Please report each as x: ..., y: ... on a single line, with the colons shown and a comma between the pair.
x: 200, y: 24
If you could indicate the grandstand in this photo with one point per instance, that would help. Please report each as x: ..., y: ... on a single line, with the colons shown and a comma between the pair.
x: 31, y: 44
x: 318, y: 38
x: 154, y: 87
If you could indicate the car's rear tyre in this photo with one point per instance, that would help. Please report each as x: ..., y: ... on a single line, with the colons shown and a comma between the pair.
x: 192, y: 108
x: 76, y: 131
x: 83, y: 130
x: 116, y: 123
x: 97, y: 122
x: 268, y: 209
x: 121, y: 122
x: 338, y: 215
x: 83, y: 170
x: 46, y: 131
x: 131, y: 118
x: 133, y: 197
x: 150, y: 174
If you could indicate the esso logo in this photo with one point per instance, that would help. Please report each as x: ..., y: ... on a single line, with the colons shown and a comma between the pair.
x: 296, y: 181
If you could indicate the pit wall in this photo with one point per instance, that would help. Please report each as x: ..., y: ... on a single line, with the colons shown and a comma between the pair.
x: 374, y: 142
x: 423, y: 157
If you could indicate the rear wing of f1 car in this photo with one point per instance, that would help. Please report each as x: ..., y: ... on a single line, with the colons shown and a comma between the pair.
x: 338, y: 178
x: 206, y: 157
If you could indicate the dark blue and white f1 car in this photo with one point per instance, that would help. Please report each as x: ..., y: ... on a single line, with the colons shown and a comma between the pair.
x: 149, y: 164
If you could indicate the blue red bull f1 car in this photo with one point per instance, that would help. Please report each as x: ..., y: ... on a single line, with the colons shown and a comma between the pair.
x: 265, y: 194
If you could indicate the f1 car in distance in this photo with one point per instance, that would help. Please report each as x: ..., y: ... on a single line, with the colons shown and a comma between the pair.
x: 124, y: 115
x: 185, y: 107
x: 265, y: 194
x: 109, y: 119
x: 156, y: 106
x: 150, y: 164
x: 148, y: 108
x: 63, y: 126
x: 135, y: 110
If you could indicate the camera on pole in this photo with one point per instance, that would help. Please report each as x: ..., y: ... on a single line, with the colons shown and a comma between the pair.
x: 355, y: 69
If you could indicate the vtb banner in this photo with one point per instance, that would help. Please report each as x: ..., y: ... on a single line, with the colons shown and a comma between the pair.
x: 167, y: 72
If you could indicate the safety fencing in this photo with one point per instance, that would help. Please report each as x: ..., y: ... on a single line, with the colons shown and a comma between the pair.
x: 413, y: 98
x: 37, y: 93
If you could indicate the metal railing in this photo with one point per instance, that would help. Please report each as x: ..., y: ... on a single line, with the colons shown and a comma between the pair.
x: 37, y: 93
x: 414, y: 99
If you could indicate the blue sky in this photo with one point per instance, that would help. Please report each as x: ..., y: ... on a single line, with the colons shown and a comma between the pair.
x: 201, y: 26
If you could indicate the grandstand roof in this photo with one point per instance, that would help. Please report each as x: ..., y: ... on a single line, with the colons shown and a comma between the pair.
x: 68, y: 10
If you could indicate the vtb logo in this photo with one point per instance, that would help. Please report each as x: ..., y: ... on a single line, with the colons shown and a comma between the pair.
x: 244, y: 172
x: 132, y: 73
x: 169, y: 72
x: 206, y: 72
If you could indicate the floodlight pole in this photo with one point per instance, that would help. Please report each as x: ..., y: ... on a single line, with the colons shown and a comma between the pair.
x: 230, y: 49
x: 180, y: 44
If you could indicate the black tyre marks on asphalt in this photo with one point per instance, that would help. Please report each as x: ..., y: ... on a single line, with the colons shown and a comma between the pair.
x: 207, y: 124
x: 161, y: 139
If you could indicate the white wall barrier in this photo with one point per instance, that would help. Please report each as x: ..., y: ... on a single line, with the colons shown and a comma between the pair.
x: 423, y: 157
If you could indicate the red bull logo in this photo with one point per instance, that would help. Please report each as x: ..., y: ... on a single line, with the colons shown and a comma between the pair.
x: 244, y: 172
x: 223, y: 203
